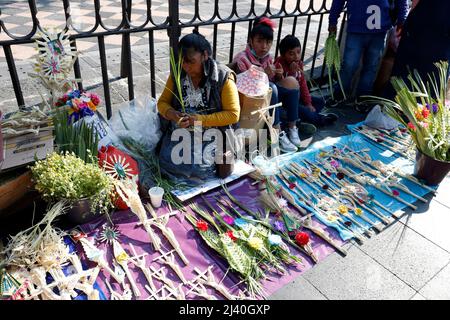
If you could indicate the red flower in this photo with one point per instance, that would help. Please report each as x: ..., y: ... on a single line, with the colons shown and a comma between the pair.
x: 292, y: 186
x: 302, y: 238
x: 230, y: 234
x: 402, y: 130
x: 340, y: 175
x: 379, y: 140
x: 411, y: 126
x: 328, y: 173
x: 425, y: 113
x: 325, y: 187
x: 202, y: 225
x: 395, y: 193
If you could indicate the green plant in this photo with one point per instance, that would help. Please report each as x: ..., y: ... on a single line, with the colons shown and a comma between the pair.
x: 421, y: 107
x: 333, y: 60
x: 175, y: 66
x: 66, y: 176
x: 80, y: 139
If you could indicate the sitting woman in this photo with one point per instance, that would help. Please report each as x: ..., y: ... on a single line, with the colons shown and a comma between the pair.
x: 210, y: 99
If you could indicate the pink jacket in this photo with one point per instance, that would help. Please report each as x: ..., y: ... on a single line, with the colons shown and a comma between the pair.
x: 245, y: 59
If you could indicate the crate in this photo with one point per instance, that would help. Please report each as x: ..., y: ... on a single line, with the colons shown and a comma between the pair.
x: 14, y: 189
x: 23, y: 149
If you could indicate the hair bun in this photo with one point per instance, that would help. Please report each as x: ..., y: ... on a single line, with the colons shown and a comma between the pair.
x: 266, y: 21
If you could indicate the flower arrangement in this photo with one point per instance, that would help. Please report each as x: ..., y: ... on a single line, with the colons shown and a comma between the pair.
x: 80, y: 104
x: 65, y: 176
x: 249, y: 245
x: 422, y: 109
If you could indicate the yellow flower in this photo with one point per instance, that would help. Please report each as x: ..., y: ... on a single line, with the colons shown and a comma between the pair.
x: 358, y: 211
x: 316, y: 172
x: 303, y: 175
x: 123, y: 257
x: 342, y: 209
x: 322, y: 154
x: 255, y: 243
x: 331, y: 218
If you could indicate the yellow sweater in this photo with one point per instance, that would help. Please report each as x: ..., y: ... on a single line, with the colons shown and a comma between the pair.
x: 230, y: 105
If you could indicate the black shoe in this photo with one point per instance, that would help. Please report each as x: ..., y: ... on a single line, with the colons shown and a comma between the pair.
x: 363, y: 107
x: 328, y: 119
x: 335, y: 103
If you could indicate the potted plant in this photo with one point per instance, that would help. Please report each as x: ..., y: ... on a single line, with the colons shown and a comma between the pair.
x: 422, y: 109
x: 85, y: 186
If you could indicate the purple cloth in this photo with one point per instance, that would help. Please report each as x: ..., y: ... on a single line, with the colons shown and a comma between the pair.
x: 194, y: 248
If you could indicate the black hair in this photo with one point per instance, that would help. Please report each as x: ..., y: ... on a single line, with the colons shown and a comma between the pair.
x: 262, y: 29
x: 194, y: 41
x: 288, y: 43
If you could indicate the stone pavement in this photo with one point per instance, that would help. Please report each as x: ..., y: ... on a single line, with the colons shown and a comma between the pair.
x: 17, y: 19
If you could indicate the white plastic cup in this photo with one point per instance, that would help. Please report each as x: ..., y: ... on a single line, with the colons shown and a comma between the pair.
x: 156, y: 196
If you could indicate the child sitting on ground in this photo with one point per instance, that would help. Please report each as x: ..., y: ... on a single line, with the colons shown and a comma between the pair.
x: 309, y: 107
x: 284, y: 89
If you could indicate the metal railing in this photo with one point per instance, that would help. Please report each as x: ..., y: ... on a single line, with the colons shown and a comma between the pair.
x: 174, y: 26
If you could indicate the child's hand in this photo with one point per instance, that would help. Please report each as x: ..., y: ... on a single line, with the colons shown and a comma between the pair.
x: 279, y: 71
x: 270, y: 71
x: 294, y: 67
x: 311, y: 108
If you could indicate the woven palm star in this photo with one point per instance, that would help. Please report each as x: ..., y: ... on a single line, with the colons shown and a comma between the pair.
x: 109, y: 234
x: 118, y: 167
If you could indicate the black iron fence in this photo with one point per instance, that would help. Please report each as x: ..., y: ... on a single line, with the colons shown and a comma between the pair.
x: 174, y: 25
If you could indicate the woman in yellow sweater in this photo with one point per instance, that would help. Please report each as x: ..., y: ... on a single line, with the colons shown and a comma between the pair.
x: 210, y: 96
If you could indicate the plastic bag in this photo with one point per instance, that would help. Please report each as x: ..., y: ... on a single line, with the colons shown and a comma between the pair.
x: 137, y: 120
x: 378, y: 120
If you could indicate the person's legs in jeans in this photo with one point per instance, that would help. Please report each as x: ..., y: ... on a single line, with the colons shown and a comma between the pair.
x: 312, y: 117
x: 289, y: 98
x: 274, y: 100
x: 354, y: 47
x: 371, y: 61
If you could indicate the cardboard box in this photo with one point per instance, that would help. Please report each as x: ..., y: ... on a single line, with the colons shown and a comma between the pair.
x: 25, y: 148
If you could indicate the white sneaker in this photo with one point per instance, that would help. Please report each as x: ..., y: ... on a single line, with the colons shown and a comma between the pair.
x: 285, y: 144
x: 293, y: 136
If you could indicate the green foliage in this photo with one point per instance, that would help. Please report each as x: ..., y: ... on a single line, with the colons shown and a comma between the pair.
x: 175, y: 66
x: 333, y: 60
x: 65, y: 176
x: 80, y: 139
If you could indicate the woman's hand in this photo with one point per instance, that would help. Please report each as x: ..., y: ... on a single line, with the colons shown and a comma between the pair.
x: 174, y: 115
x: 187, y: 121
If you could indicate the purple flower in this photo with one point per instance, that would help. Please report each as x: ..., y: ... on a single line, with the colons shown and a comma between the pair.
x: 229, y: 220
x: 435, y: 108
x: 428, y: 106
x: 279, y: 225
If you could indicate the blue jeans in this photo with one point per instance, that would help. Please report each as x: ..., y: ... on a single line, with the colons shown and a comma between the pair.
x: 289, y: 98
x: 370, y: 47
x: 307, y: 115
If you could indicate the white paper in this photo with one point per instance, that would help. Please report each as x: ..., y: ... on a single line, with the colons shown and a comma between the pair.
x: 240, y: 169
